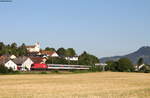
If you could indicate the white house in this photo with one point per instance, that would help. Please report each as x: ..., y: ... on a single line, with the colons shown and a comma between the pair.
x: 75, y: 58
x: 100, y: 64
x: 49, y: 53
x: 11, y: 64
x: 27, y: 64
x: 54, y: 54
x: 34, y: 48
x: 24, y: 63
x: 137, y: 68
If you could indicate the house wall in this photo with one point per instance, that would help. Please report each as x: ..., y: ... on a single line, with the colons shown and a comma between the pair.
x: 11, y: 64
x: 72, y: 58
x: 34, y: 49
x: 37, y: 47
x: 27, y: 64
x: 55, y: 55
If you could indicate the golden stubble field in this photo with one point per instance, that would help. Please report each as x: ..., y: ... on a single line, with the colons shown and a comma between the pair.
x: 85, y: 85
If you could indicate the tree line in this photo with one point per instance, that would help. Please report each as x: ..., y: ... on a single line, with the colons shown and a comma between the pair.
x: 126, y: 65
x: 13, y: 49
x: 122, y: 65
x: 84, y: 59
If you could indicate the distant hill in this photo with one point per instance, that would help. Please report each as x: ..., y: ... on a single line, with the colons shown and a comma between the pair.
x: 143, y: 52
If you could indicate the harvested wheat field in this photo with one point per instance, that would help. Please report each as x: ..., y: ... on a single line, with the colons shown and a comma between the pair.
x: 85, y: 85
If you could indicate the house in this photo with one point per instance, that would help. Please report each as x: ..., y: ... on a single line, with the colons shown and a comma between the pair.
x: 74, y: 58
x: 137, y: 68
x: 34, y: 48
x: 8, y: 63
x: 49, y: 53
x: 8, y: 56
x: 23, y: 63
x: 34, y: 54
x: 11, y: 64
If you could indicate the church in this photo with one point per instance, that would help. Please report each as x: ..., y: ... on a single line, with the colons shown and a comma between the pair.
x: 34, y: 48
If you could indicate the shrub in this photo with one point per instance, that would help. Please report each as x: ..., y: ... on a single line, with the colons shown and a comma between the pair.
x: 55, y: 71
x: 16, y: 72
x: 122, y: 65
x: 43, y: 72
x: 4, y: 69
x: 96, y: 68
x: 10, y: 70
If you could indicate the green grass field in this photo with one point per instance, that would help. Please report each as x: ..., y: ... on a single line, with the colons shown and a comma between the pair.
x: 85, y: 85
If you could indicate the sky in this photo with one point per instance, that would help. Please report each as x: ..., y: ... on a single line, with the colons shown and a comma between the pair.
x: 100, y: 27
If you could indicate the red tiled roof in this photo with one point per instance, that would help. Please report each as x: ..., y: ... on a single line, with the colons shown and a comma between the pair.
x: 37, y: 59
x: 47, y: 52
x: 31, y: 46
x: 3, y: 59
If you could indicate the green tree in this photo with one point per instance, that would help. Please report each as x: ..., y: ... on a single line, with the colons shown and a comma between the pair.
x: 70, y: 52
x: 13, y: 49
x: 125, y: 65
x: 22, y: 51
x: 50, y: 49
x: 3, y: 69
x: 140, y: 61
x: 110, y: 65
x: 61, y: 52
x: 56, y: 60
x: 88, y: 59
x: 122, y: 65
x: 14, y: 46
x: 8, y: 49
x: 2, y: 48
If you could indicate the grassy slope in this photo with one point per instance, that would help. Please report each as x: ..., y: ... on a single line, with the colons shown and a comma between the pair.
x: 87, y: 85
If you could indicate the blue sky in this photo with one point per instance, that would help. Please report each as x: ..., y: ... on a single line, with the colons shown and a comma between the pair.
x: 101, y: 27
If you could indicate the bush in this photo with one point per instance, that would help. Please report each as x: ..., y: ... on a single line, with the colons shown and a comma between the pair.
x: 5, y: 70
x: 79, y: 71
x: 122, y: 65
x: 43, y: 72
x: 10, y: 70
x: 55, y: 71
x: 56, y: 60
x: 16, y: 72
x: 96, y: 68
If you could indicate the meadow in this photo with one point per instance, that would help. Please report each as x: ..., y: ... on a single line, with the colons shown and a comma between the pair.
x: 84, y: 85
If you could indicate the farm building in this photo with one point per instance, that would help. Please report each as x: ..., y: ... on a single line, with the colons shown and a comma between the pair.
x: 23, y: 63
x: 49, y: 53
x: 6, y: 61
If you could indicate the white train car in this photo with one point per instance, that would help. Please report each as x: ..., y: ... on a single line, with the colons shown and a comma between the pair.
x: 67, y: 67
